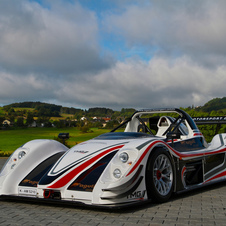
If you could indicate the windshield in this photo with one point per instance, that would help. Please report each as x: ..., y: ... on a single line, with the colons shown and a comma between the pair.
x: 122, y: 135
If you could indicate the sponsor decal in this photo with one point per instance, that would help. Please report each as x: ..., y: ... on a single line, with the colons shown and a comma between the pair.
x: 86, y: 187
x: 136, y: 194
x: 30, y: 182
x: 80, y: 151
x: 188, y: 142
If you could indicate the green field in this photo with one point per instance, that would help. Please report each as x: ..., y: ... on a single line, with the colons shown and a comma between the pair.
x: 10, y: 140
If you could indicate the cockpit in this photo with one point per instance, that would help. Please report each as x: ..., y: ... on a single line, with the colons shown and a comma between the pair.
x: 172, y: 125
x: 165, y: 122
x: 156, y: 124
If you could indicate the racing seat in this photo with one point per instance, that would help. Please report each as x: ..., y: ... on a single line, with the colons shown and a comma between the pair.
x: 162, y: 125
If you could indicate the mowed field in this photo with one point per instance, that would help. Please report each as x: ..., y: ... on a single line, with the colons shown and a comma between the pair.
x: 10, y: 140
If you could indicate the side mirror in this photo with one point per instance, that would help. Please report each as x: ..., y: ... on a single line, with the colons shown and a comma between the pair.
x: 63, y: 136
x: 173, y: 135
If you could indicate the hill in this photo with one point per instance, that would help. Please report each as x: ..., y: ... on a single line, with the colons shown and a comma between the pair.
x: 52, y: 110
x: 215, y: 104
x: 43, y: 109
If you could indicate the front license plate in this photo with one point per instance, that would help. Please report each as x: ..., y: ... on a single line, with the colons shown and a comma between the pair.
x: 27, y: 191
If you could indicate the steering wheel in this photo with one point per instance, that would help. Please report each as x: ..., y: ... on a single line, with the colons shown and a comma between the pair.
x: 144, y: 126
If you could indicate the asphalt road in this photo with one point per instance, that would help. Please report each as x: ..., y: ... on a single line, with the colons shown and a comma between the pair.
x: 206, y: 206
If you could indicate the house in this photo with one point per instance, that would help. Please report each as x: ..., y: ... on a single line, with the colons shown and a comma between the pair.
x: 6, y: 123
x: 106, y: 119
x: 33, y: 124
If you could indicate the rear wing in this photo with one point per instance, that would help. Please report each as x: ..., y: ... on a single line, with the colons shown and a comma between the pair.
x: 214, y: 120
x: 210, y: 120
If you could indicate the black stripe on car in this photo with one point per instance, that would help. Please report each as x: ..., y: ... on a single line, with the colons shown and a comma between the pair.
x: 87, y: 180
x: 32, y: 179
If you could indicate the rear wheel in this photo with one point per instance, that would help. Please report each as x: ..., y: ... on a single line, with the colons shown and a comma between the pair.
x: 159, y: 176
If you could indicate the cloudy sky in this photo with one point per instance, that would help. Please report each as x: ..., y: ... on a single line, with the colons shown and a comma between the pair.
x: 113, y: 53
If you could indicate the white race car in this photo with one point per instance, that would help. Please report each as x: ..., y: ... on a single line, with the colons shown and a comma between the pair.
x: 161, y: 151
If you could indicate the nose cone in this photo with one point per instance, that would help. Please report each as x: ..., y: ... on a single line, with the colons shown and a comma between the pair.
x: 76, y: 155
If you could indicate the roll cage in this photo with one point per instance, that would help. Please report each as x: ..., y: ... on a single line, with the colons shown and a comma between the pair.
x: 161, y: 123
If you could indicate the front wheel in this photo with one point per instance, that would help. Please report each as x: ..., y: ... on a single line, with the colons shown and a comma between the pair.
x: 159, y: 176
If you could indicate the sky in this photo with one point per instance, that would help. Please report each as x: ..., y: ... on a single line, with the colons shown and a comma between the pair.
x: 113, y: 53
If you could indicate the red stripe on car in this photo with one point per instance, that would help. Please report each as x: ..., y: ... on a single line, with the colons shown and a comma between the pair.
x: 178, y: 154
x: 142, y: 156
x: 68, y: 177
x: 217, y: 176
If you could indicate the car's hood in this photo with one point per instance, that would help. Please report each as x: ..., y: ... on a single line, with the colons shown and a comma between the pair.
x: 78, y: 159
x: 83, y: 152
x: 99, y: 146
x: 84, y: 155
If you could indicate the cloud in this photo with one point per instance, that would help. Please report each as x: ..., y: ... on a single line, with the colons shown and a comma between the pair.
x: 175, y: 28
x: 157, y: 83
x: 59, y: 40
x: 53, y: 52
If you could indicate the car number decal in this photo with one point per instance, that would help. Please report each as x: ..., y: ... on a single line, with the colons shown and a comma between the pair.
x: 27, y: 191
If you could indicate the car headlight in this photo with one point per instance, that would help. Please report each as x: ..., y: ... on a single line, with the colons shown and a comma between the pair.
x: 117, y: 173
x: 124, y: 157
x: 21, y: 154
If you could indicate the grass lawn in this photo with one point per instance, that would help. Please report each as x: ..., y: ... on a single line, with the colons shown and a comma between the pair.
x: 10, y: 140
x: 2, y: 112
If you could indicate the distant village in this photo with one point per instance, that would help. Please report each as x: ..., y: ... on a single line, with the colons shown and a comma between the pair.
x: 67, y: 122
x: 38, y: 114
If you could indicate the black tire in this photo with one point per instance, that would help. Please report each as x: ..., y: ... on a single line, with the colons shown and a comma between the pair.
x: 159, y: 176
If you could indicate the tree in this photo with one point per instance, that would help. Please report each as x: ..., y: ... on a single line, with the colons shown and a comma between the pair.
x: 84, y: 127
x: 1, y: 120
x: 20, y: 122
x: 11, y: 111
x: 11, y: 119
x: 112, y: 124
x: 44, y: 120
x: 30, y: 119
